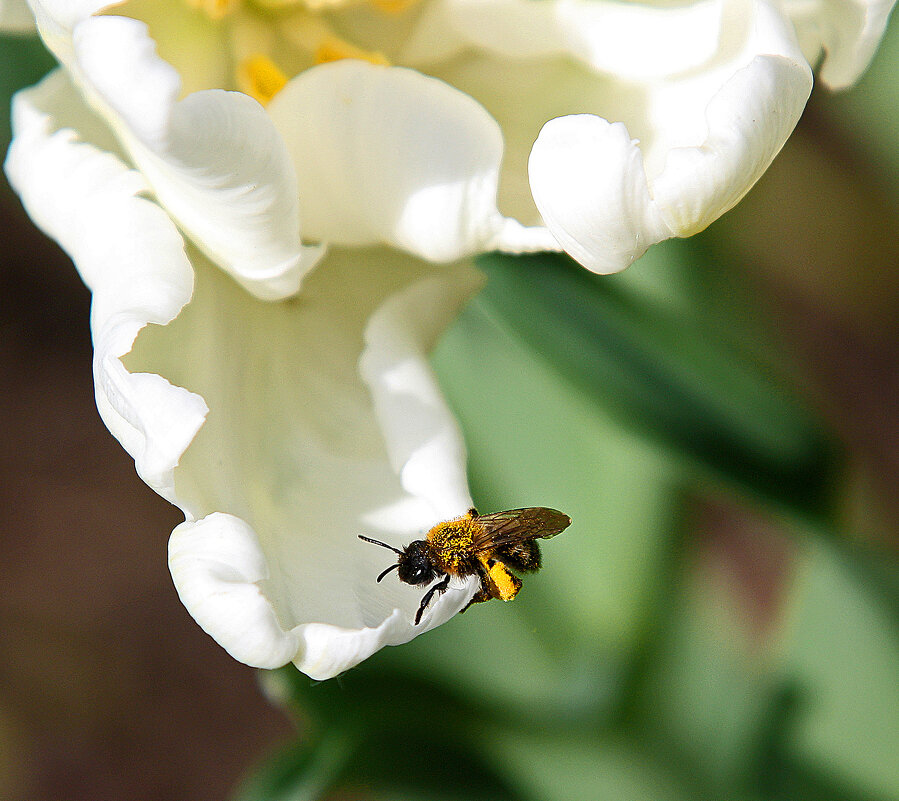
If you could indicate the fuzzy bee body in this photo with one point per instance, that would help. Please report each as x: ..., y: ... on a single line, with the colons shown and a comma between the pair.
x: 486, y: 546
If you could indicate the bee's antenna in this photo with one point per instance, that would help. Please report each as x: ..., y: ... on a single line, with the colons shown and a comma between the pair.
x: 392, y: 567
x: 382, y: 544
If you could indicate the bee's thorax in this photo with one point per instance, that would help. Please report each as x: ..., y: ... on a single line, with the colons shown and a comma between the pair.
x: 452, y: 543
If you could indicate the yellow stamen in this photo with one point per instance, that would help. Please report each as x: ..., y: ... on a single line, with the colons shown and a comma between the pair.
x: 326, y: 5
x: 259, y: 77
x: 393, y: 6
x: 215, y: 9
x: 333, y: 48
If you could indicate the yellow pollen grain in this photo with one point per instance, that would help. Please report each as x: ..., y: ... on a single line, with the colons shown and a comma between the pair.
x: 215, y: 9
x: 453, y: 540
x: 260, y: 78
x: 333, y: 48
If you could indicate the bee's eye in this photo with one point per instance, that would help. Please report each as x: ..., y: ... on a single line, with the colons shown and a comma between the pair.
x: 415, y: 568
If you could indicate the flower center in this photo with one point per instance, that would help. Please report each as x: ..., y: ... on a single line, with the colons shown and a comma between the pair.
x: 260, y: 78
x: 272, y: 40
x: 215, y: 9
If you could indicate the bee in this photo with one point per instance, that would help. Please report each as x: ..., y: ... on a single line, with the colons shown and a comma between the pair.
x: 485, y: 546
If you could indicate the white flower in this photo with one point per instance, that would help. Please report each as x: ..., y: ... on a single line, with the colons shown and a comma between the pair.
x: 301, y: 424
x: 283, y: 429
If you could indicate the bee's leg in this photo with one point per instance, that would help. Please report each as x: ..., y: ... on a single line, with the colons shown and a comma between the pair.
x: 479, y: 597
x: 505, y: 584
x: 439, y: 587
x: 496, y: 580
x: 472, y: 513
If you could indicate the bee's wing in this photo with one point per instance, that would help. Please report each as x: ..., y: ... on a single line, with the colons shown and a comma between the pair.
x: 518, y: 525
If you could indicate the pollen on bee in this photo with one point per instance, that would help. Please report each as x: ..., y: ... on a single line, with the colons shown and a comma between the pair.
x: 507, y: 585
x: 453, y: 539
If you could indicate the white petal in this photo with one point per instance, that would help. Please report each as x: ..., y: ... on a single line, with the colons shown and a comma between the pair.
x: 213, y: 159
x: 846, y: 32
x: 220, y: 571
x: 387, y: 155
x: 748, y: 122
x: 710, y: 136
x: 16, y: 17
x: 57, y: 18
x: 423, y: 441
x: 590, y: 186
x: 217, y: 566
x: 128, y: 252
x: 630, y: 40
x: 308, y: 449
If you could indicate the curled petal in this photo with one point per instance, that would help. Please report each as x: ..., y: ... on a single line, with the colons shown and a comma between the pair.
x: 220, y: 571
x: 845, y: 32
x: 385, y: 155
x: 607, y: 197
x: 749, y: 120
x: 429, y: 456
x: 590, y: 186
x: 217, y: 565
x: 589, y: 183
x: 79, y: 194
x: 213, y: 159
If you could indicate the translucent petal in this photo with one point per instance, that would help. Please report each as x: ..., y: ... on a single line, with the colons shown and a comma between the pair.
x: 845, y: 32
x: 15, y: 17
x: 633, y: 41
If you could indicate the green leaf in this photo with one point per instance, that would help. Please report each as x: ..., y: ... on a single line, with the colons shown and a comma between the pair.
x: 665, y: 373
x: 378, y: 729
x: 842, y: 652
x: 583, y: 767
x: 811, y: 713
x: 704, y: 699
x: 302, y: 771
x: 25, y: 61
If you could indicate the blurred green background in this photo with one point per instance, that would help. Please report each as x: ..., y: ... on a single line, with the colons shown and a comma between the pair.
x: 721, y: 621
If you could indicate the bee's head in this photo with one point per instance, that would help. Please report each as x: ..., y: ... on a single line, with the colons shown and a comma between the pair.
x: 414, y: 565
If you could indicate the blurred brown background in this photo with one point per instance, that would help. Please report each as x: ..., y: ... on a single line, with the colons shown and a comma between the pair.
x: 108, y: 689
